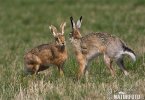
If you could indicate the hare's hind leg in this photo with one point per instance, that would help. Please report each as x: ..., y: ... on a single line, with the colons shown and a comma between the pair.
x: 36, y: 68
x: 32, y: 64
x: 108, y: 63
x: 31, y: 69
x: 28, y: 69
x: 120, y: 63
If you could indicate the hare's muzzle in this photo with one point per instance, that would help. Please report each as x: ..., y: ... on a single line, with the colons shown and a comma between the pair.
x: 63, y: 43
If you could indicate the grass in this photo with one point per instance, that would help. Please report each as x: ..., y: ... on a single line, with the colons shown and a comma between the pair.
x: 24, y: 24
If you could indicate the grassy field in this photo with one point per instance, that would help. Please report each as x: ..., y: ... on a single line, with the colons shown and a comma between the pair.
x: 24, y: 24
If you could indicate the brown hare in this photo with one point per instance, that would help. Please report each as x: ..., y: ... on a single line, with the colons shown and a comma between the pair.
x: 42, y: 56
x: 92, y: 45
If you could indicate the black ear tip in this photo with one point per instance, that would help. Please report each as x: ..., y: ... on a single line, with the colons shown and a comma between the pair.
x: 81, y: 18
x: 71, y: 18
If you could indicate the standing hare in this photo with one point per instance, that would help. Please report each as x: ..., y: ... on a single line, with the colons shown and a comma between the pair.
x: 92, y: 45
x: 42, y: 56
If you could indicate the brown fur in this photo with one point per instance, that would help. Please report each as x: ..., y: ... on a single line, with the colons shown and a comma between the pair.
x: 92, y: 45
x: 42, y: 56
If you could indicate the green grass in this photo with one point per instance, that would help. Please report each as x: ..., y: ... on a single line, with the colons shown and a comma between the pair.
x: 24, y: 24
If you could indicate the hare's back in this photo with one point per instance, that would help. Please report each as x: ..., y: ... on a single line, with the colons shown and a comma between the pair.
x: 41, y: 50
x: 98, y: 39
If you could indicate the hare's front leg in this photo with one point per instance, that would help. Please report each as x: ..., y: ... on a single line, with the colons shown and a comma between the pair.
x: 108, y: 63
x: 61, y: 70
x: 82, y: 66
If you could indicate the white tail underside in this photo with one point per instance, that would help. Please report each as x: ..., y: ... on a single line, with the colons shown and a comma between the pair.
x: 131, y: 55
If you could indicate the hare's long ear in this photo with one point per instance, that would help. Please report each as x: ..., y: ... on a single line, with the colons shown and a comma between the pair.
x: 79, y: 22
x: 62, y: 27
x: 72, y: 23
x: 53, y: 30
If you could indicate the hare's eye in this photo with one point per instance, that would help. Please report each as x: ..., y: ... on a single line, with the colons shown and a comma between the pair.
x: 56, y: 39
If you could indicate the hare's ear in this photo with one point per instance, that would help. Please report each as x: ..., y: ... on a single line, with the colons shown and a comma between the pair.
x: 79, y: 22
x: 72, y: 23
x: 53, y: 30
x: 62, y: 27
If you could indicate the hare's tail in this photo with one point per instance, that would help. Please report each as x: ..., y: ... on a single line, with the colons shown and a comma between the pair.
x: 129, y: 52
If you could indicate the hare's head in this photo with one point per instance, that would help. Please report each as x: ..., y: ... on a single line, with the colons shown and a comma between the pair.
x: 58, y: 35
x: 75, y: 34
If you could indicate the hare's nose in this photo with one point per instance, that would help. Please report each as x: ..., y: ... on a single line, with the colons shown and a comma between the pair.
x: 64, y: 43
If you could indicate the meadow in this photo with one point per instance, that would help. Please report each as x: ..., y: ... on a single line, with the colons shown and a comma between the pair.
x: 24, y: 24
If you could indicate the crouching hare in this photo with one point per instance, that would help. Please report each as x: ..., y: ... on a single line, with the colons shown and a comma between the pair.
x: 42, y: 56
x: 92, y: 45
